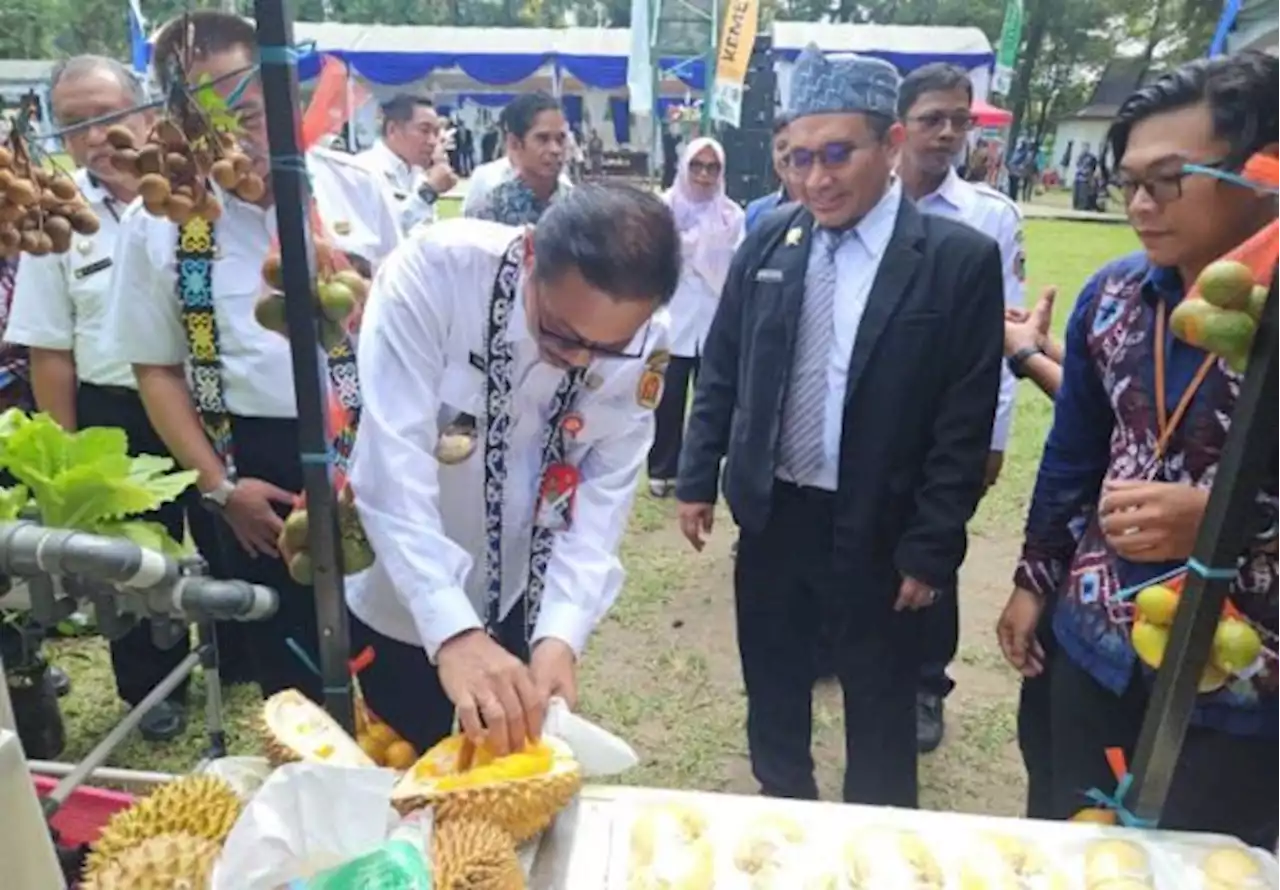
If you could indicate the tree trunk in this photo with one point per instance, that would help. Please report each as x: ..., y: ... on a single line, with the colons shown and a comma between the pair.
x: 1153, y: 39
x: 1039, y: 16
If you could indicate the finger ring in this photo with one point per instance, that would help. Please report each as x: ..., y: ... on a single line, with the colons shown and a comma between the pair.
x: 933, y: 596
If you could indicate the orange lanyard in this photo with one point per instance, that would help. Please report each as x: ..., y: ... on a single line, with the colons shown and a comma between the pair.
x: 1166, y: 423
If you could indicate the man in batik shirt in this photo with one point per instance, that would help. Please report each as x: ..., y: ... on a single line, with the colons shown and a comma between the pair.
x: 1123, y: 483
x: 535, y: 142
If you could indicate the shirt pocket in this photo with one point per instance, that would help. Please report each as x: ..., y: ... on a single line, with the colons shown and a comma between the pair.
x: 461, y: 392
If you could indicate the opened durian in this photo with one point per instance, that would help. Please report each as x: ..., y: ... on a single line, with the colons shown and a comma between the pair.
x: 670, y: 849
x: 165, y: 862
x: 520, y: 792
x: 296, y: 728
x: 474, y: 855
x: 768, y: 851
x: 996, y: 861
x: 886, y: 857
x: 201, y: 806
x: 1110, y: 861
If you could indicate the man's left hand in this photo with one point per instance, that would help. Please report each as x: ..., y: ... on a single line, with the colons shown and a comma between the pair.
x: 555, y: 670
x: 995, y: 463
x: 914, y: 595
x: 1151, y: 521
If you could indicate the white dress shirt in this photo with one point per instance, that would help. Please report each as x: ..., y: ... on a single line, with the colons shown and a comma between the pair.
x: 484, y: 178
x: 420, y: 344
x: 403, y: 180
x: 995, y: 215
x: 692, y: 308
x: 60, y: 301
x: 857, y: 263
x: 146, y: 327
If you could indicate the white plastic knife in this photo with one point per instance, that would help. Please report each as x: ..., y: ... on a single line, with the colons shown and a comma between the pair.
x: 598, y: 751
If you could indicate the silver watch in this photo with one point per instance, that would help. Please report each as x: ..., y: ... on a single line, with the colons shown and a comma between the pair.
x: 217, y: 497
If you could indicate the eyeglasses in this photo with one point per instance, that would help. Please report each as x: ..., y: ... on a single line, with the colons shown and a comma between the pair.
x: 831, y: 155
x: 1162, y: 188
x: 711, y: 168
x: 570, y: 342
x: 961, y: 121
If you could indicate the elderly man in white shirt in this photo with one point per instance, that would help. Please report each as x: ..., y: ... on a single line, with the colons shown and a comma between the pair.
x: 411, y: 158
x: 238, y: 426
x: 510, y: 377
x: 933, y: 104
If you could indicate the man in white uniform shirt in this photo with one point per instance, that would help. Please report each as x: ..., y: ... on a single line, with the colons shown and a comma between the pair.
x: 509, y: 377
x: 408, y: 158
x: 933, y: 105
x: 250, y: 476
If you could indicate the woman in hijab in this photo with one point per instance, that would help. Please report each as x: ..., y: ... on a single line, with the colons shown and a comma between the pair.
x: 710, y: 227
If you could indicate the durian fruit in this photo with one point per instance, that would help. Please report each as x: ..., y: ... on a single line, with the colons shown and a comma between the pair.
x: 471, y: 854
x: 670, y: 849
x: 1230, y: 868
x: 520, y: 792
x: 164, y: 862
x: 892, y: 858
x: 201, y: 806
x: 296, y: 728
x: 767, y: 851
x: 1107, y: 862
x: 997, y: 861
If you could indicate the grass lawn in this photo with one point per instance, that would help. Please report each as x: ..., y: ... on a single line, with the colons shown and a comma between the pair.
x: 662, y: 669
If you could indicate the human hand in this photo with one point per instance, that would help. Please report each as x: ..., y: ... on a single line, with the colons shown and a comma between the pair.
x: 1026, y: 330
x: 695, y: 521
x: 1016, y: 632
x: 497, y: 702
x: 554, y: 667
x: 441, y: 178
x: 914, y: 595
x: 1151, y: 521
x: 251, y: 513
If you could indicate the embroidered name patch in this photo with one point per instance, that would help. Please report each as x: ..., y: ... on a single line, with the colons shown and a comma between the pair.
x: 93, y: 268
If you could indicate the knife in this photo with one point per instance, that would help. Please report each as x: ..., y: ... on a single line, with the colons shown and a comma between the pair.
x: 598, y: 751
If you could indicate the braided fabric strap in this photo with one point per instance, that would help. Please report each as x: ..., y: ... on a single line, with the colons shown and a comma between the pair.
x: 195, y: 256
x: 344, y: 403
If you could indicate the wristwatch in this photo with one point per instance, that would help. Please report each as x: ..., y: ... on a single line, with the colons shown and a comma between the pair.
x: 216, y: 498
x: 1018, y: 361
x: 428, y: 194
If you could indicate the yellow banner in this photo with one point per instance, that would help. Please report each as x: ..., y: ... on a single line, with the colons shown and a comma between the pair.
x: 741, y: 20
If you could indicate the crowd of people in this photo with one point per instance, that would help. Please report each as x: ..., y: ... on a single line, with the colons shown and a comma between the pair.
x: 851, y: 342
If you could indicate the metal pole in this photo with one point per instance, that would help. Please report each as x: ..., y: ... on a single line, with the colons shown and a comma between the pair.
x: 709, y: 76
x: 1248, y: 452
x: 292, y: 199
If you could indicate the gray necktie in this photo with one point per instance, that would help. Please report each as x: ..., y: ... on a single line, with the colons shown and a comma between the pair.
x: 800, y: 446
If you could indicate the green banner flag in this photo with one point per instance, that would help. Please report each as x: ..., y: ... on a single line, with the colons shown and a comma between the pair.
x: 1007, y: 51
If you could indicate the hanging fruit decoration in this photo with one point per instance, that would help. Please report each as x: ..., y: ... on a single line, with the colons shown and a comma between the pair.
x: 340, y: 293
x: 1223, y: 317
x: 193, y: 143
x: 295, y: 542
x: 40, y: 209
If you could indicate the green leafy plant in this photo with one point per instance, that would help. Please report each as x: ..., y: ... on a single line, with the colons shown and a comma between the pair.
x: 87, y: 480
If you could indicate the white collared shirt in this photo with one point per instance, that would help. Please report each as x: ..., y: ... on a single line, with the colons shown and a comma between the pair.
x: 61, y: 301
x: 997, y: 216
x: 422, y: 346
x: 857, y: 263
x: 484, y: 178
x: 693, y: 306
x: 146, y: 325
x: 403, y: 181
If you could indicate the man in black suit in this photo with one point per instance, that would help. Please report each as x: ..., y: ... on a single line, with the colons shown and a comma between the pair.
x: 850, y: 379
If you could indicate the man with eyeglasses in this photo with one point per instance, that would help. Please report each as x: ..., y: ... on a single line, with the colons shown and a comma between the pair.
x: 933, y: 105
x: 760, y: 207
x: 851, y: 377
x: 509, y: 379
x: 1140, y: 421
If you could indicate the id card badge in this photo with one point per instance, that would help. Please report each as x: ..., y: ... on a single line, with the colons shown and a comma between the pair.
x: 556, y: 497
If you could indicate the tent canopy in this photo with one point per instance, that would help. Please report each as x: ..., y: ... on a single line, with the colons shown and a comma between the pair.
x: 989, y: 116
x: 905, y: 46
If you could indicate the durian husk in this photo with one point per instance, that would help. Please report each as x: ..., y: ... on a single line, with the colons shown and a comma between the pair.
x: 164, y: 862
x: 285, y: 717
x: 200, y: 806
x: 468, y: 854
x: 520, y: 804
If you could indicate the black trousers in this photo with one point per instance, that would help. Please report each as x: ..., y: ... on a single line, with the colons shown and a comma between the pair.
x: 1222, y: 783
x: 668, y: 417
x: 1015, y: 187
x: 1035, y: 727
x: 940, y: 625
x: 403, y: 688
x: 789, y: 597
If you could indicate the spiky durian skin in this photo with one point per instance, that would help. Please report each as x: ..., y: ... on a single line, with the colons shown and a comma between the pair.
x: 165, y: 862
x: 469, y: 854
x: 522, y: 808
x: 276, y: 752
x: 201, y: 806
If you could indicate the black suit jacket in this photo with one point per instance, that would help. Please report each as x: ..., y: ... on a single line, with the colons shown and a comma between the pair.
x: 920, y: 403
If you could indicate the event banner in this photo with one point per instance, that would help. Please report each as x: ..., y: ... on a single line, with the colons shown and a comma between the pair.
x: 736, y: 41
x: 1007, y: 51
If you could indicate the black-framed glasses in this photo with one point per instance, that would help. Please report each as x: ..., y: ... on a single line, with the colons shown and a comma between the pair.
x: 572, y: 342
x: 1162, y: 188
x: 711, y: 168
x: 831, y: 155
x: 961, y: 121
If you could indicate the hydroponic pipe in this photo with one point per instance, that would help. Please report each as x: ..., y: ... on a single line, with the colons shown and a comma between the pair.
x: 28, y: 550
x: 203, y: 598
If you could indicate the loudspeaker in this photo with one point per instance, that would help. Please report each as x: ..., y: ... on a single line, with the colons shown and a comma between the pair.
x: 748, y: 147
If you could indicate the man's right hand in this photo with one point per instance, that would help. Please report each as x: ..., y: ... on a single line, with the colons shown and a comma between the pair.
x: 252, y: 515
x: 1016, y: 631
x: 1024, y: 330
x: 695, y: 521
x: 497, y: 701
x: 441, y: 178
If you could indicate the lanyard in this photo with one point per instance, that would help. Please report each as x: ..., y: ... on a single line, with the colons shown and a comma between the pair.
x: 1166, y: 423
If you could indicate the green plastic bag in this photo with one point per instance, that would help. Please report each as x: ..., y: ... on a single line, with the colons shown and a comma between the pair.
x: 396, y: 865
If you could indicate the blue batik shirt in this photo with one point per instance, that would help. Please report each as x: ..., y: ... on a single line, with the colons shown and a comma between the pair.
x: 1105, y: 427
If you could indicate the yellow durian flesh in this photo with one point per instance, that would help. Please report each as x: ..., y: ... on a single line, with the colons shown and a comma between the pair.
x: 164, y: 862
x: 474, y: 855
x: 521, y: 793
x: 200, y: 806
x: 296, y: 728
x: 1114, y: 861
x: 767, y: 848
x: 670, y: 849
x: 891, y: 857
